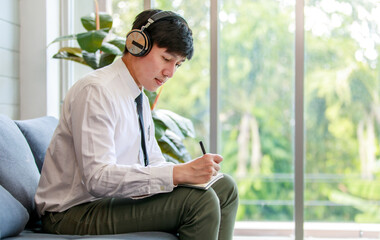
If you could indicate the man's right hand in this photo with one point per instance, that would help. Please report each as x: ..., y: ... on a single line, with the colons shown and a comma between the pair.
x: 199, y: 170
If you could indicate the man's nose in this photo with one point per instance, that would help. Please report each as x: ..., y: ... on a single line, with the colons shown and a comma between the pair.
x: 169, y: 70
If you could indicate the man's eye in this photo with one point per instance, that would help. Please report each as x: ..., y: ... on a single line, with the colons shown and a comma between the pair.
x: 178, y: 65
x: 166, y: 59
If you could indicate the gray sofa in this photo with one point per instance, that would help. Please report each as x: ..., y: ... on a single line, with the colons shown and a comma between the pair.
x: 22, y: 149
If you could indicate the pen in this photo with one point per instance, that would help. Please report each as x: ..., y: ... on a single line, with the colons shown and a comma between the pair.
x: 202, y: 147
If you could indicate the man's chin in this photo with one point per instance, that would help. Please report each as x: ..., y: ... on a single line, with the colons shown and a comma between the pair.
x: 151, y: 89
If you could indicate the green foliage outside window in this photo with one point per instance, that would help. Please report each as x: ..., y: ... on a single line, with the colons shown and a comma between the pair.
x: 256, y: 82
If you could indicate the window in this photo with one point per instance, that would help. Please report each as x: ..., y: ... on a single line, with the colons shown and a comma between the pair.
x: 256, y: 65
x: 342, y: 111
x: 255, y: 87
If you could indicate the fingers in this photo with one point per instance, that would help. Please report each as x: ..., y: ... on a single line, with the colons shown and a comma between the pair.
x: 216, y: 167
x: 217, y: 158
x: 214, y: 157
x: 200, y: 170
x: 212, y: 162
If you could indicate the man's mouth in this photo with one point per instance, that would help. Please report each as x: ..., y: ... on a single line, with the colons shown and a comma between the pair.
x: 159, y: 81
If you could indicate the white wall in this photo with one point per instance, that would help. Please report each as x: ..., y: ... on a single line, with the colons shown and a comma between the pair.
x: 30, y: 80
x: 39, y: 73
x: 9, y: 60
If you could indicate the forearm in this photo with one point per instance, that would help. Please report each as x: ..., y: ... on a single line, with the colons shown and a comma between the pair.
x: 129, y: 181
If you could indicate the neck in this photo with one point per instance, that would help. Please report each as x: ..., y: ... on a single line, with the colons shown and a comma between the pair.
x: 128, y: 62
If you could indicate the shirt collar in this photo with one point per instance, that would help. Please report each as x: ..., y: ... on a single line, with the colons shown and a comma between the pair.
x: 127, y: 77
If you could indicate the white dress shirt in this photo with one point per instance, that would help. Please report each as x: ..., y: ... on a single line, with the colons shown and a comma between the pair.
x: 95, y: 151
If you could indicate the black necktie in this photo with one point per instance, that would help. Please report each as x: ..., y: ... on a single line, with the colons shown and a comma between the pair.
x: 139, y: 101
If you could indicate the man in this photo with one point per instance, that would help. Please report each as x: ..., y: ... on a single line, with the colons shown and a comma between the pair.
x: 104, y: 172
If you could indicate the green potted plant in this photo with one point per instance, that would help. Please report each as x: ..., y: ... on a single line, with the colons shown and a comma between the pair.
x: 98, y: 47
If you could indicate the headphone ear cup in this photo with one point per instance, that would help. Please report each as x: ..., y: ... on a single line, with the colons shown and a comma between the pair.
x: 138, y: 43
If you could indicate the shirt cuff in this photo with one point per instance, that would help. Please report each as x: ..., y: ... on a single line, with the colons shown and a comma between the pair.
x: 162, y: 179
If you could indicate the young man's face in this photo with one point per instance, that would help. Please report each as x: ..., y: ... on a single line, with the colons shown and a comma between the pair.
x: 154, y: 69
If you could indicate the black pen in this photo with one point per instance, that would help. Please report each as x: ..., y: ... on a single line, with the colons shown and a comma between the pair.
x: 202, y: 147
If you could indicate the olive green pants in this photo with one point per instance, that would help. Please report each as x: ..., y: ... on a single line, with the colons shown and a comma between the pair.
x: 190, y: 213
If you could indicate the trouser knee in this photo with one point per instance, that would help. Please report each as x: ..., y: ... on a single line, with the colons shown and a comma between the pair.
x: 212, y: 205
x: 226, y: 189
x: 202, y: 215
x: 206, y: 204
x: 229, y: 183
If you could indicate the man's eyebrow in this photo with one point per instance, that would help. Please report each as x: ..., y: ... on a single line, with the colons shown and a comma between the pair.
x: 175, y: 55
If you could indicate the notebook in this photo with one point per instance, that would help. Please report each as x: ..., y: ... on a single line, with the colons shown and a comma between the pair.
x: 206, y: 185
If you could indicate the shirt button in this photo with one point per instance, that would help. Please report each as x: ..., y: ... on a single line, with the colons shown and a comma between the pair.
x: 162, y: 188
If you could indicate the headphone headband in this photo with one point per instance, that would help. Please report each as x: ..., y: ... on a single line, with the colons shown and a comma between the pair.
x: 163, y: 14
x: 138, y: 42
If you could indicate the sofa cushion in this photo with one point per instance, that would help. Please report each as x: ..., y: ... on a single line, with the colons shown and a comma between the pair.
x: 38, y: 132
x: 18, y: 171
x: 125, y: 236
x: 13, y: 216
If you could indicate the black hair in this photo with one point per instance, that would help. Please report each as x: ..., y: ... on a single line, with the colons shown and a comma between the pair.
x: 171, y: 33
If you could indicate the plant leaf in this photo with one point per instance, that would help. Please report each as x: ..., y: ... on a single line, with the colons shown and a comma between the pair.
x: 64, y: 56
x: 91, y: 41
x: 168, y: 148
x: 169, y: 122
x: 184, y: 154
x: 64, y: 38
x: 172, y: 146
x: 89, y: 24
x: 151, y: 96
x: 69, y: 53
x: 170, y: 158
x: 90, y: 59
x: 119, y: 42
x: 160, y: 128
x: 110, y: 48
x: 106, y: 59
x: 184, y: 127
x: 71, y: 50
